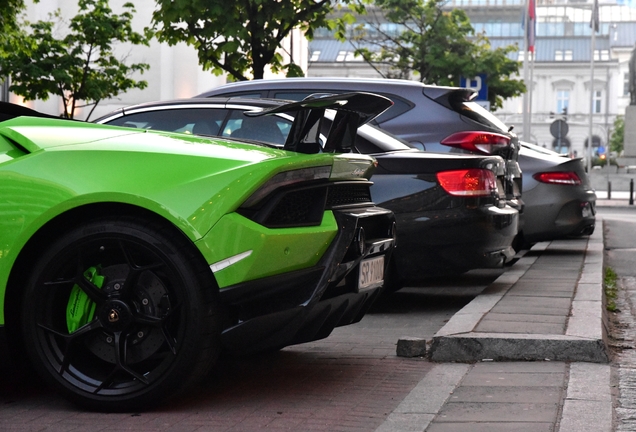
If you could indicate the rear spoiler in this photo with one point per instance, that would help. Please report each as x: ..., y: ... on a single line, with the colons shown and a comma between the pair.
x: 353, y: 110
x: 10, y: 111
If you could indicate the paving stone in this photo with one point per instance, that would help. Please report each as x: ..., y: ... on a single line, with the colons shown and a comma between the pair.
x: 490, y: 427
x: 543, y: 302
x: 547, y: 394
x: 512, y: 379
x: 492, y: 326
x: 554, y: 319
x: 497, y: 412
x: 521, y: 367
x: 532, y: 310
x: 411, y: 347
x: 544, y: 285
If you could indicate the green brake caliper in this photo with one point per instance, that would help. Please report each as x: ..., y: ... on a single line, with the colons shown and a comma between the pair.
x: 80, y: 308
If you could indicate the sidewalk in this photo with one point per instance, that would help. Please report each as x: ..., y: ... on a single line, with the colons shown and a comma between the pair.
x: 528, y: 354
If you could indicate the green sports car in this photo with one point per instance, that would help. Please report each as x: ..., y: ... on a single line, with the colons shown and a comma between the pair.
x: 130, y: 259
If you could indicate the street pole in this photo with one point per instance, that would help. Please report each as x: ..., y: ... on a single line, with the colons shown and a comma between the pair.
x: 590, y: 140
x: 526, y: 121
x: 594, y: 25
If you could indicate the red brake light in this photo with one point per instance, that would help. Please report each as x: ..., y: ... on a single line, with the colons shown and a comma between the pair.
x: 468, y: 183
x: 558, y: 177
x: 483, y: 142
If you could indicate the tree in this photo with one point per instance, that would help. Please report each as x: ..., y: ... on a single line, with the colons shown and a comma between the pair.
x: 618, y: 135
x: 80, y: 67
x: 435, y: 45
x: 9, y: 10
x: 239, y: 38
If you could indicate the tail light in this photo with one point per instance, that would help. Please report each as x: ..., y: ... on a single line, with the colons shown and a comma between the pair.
x: 468, y: 182
x: 558, y: 177
x: 482, y: 142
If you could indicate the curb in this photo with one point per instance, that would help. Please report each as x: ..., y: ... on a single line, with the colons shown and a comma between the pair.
x: 585, y: 338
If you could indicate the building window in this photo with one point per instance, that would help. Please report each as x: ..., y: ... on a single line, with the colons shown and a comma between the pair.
x: 521, y: 57
x: 596, y: 103
x: 563, y: 100
x: 315, y: 56
x: 347, y: 56
x: 560, y: 55
x: 601, y: 55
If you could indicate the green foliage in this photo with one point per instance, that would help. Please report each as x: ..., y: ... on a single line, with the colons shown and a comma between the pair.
x: 618, y: 135
x: 610, y: 285
x: 436, y: 46
x: 9, y: 10
x: 81, y: 65
x: 238, y: 38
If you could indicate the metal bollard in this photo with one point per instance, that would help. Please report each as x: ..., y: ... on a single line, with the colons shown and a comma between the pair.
x: 631, y: 192
x: 609, y: 190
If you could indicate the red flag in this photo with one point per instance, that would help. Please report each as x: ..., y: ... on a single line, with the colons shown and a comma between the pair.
x: 532, y: 24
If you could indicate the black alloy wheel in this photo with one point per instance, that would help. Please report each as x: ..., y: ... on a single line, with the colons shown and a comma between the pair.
x: 119, y: 315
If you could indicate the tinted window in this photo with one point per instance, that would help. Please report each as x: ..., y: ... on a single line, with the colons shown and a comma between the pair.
x: 270, y: 129
x: 295, y: 96
x: 482, y: 115
x: 399, y: 107
x: 246, y: 95
x: 372, y: 140
x: 197, y: 121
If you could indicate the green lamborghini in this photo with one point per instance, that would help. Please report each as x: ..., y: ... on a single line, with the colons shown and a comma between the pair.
x: 129, y: 260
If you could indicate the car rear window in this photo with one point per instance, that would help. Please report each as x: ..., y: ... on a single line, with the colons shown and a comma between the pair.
x: 476, y: 112
x: 188, y: 120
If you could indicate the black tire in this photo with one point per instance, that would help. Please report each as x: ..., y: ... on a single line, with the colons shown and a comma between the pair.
x: 155, y: 327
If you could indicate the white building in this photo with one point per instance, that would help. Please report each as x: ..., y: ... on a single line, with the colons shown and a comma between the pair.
x: 561, y: 77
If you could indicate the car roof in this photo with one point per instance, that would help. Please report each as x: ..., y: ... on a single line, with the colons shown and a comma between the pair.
x: 264, y: 103
x: 302, y: 83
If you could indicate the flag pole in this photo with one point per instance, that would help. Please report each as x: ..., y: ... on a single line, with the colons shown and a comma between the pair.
x: 531, y: 90
x: 594, y: 25
x: 526, y: 120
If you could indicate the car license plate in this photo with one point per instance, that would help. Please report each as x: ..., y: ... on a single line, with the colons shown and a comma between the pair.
x: 371, y: 273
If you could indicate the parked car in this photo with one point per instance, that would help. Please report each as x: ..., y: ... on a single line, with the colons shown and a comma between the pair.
x: 562, y: 199
x: 132, y: 258
x: 445, y: 119
x: 450, y: 209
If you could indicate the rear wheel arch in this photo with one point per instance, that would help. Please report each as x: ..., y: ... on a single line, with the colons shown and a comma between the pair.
x: 55, y: 229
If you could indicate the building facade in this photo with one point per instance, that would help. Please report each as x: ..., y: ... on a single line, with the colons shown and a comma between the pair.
x: 561, y: 83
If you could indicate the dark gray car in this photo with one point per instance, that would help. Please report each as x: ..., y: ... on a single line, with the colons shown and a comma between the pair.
x: 559, y: 199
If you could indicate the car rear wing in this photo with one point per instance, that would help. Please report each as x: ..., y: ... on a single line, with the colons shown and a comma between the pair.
x: 353, y: 110
x: 9, y: 111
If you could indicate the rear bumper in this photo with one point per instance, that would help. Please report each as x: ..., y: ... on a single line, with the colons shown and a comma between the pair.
x: 454, y: 241
x: 554, y: 212
x: 306, y: 305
